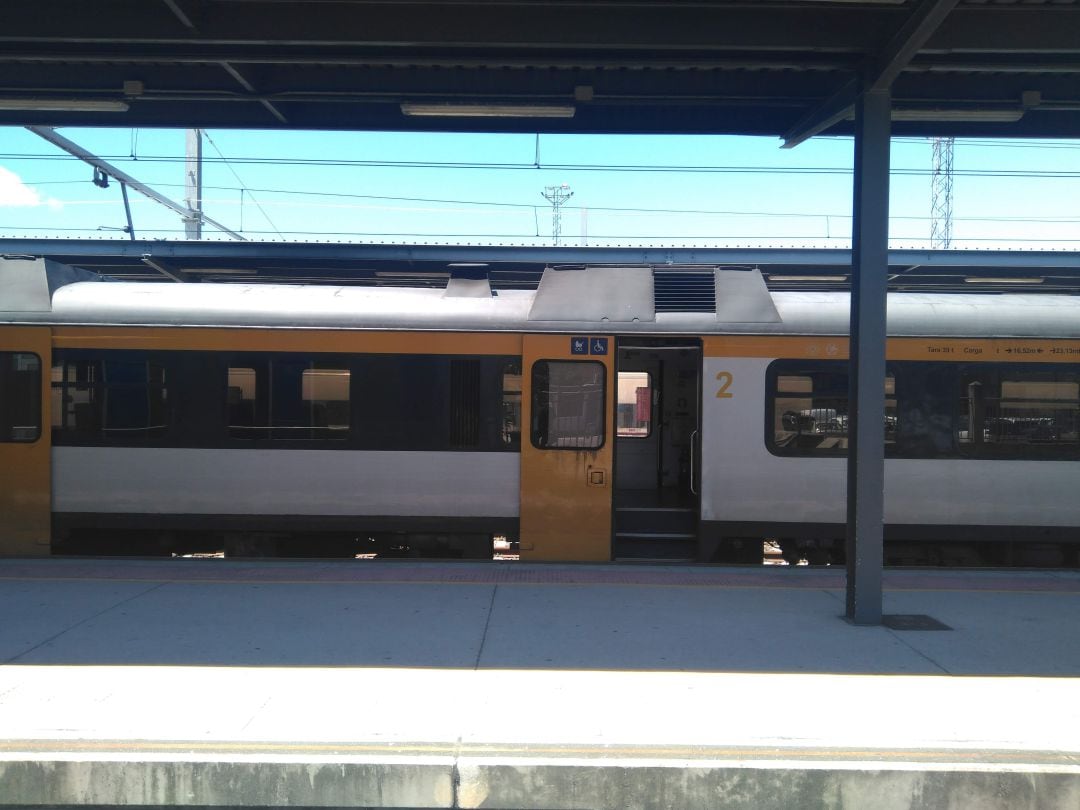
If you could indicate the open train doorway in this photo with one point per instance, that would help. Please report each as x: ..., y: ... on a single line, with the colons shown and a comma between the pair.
x: 657, y: 441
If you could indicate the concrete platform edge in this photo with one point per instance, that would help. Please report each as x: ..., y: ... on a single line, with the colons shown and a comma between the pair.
x: 523, y: 783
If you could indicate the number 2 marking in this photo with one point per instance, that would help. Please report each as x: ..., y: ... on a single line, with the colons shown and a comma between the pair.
x: 724, y: 378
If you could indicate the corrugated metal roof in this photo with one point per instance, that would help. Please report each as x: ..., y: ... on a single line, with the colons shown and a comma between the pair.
x: 705, y: 66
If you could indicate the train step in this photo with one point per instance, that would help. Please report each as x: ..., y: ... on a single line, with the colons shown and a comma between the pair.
x: 656, y: 535
x: 654, y: 520
x: 667, y: 546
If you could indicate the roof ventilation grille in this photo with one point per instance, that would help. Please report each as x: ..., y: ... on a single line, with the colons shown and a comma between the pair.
x: 684, y: 291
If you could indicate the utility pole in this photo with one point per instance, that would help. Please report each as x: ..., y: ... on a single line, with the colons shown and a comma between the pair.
x: 193, y: 185
x: 557, y: 195
x: 941, y: 191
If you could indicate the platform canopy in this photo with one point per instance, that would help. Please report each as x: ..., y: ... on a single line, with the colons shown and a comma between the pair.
x: 787, y: 68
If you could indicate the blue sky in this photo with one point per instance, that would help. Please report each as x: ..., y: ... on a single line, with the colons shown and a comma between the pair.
x: 356, y: 187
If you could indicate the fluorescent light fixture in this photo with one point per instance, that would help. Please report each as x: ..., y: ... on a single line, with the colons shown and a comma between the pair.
x: 467, y: 264
x: 64, y: 104
x: 488, y: 110
x: 1002, y: 280
x: 220, y: 271
x: 811, y: 279
x: 1002, y: 116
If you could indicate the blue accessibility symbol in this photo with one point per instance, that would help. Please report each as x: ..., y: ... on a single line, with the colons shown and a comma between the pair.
x: 579, y: 345
x: 597, y: 345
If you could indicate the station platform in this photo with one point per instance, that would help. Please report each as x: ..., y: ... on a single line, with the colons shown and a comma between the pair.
x: 213, y: 683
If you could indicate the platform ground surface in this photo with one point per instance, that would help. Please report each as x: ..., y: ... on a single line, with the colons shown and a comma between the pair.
x: 401, y: 684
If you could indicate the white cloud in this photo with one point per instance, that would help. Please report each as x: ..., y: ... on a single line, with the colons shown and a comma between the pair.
x: 14, y: 193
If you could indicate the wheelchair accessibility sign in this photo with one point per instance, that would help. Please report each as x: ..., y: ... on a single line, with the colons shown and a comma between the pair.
x: 588, y: 345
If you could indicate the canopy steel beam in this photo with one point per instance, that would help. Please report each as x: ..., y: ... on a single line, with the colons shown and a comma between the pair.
x: 180, y: 14
x: 243, y: 82
x: 903, y: 46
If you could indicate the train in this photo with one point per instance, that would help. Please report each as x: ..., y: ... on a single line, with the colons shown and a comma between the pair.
x: 578, y: 421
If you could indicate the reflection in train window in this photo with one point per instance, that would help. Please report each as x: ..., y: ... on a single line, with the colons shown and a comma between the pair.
x: 111, y: 397
x: 568, y: 404
x: 288, y: 398
x: 242, y: 386
x: 510, y: 433
x: 633, y: 411
x: 1029, y: 412
x: 810, y: 409
x: 20, y: 397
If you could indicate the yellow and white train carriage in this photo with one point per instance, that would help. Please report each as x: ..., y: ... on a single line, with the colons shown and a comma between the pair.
x: 138, y: 418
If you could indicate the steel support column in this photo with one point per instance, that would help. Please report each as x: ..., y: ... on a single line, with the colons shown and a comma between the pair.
x: 866, y: 423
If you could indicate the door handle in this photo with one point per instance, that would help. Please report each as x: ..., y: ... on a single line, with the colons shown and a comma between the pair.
x: 693, y: 456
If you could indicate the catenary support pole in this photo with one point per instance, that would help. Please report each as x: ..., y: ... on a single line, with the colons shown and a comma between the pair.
x: 193, y: 184
x: 866, y: 425
x: 127, y: 211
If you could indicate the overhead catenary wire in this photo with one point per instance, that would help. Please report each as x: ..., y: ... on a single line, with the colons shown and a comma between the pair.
x: 243, y: 186
x: 338, y: 163
x: 529, y: 207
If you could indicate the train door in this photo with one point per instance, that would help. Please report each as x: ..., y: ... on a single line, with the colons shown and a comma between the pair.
x: 657, y: 437
x: 25, y: 473
x: 566, y: 448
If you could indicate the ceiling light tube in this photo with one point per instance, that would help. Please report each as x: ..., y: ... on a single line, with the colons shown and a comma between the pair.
x: 1002, y: 116
x: 1002, y: 280
x: 64, y: 104
x: 487, y: 110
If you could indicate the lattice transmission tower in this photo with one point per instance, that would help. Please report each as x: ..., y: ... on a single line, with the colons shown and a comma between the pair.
x: 557, y: 195
x: 941, y: 191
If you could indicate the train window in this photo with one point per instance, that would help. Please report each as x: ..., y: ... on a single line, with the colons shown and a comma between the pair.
x: 324, y: 393
x: 464, y: 402
x: 810, y: 409
x: 117, y: 398
x: 1019, y: 412
x: 242, y: 390
x: 20, y: 397
x: 568, y: 404
x: 288, y: 398
x: 633, y: 411
x: 510, y: 433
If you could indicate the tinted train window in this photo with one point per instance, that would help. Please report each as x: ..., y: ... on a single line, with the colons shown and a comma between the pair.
x: 1031, y: 413
x: 464, y: 402
x: 809, y: 413
x: 290, y: 399
x: 116, y: 398
x: 567, y: 404
x: 20, y: 397
x: 242, y: 396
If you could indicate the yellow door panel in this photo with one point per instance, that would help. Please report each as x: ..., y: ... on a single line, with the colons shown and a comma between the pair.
x: 25, y: 433
x: 566, y: 450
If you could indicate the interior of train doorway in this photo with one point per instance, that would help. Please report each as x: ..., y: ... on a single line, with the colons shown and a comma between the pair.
x: 657, y: 449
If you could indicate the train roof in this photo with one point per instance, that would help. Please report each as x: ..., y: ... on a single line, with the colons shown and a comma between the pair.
x: 614, y: 300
